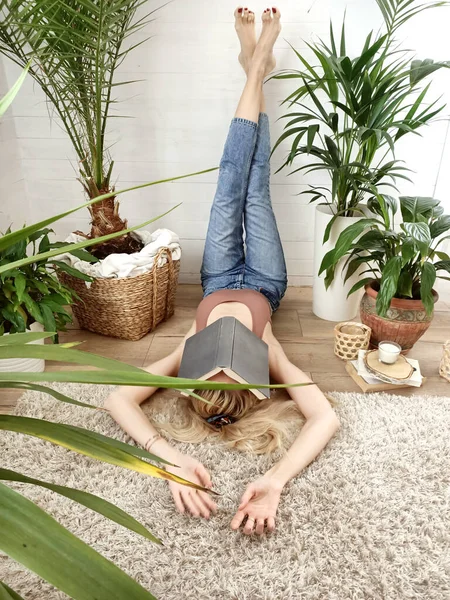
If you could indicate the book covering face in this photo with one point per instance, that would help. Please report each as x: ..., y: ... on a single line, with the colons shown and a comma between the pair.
x: 229, y: 346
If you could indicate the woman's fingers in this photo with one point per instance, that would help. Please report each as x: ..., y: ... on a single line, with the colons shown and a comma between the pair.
x: 248, y: 527
x: 178, y: 502
x: 270, y: 524
x: 260, y: 526
x: 207, y: 501
x: 237, y: 519
x: 203, y: 475
x: 190, y: 504
x: 247, y: 496
x: 203, y: 510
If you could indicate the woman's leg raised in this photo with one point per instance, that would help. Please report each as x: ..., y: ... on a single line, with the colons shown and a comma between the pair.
x: 223, y: 258
x: 265, y: 266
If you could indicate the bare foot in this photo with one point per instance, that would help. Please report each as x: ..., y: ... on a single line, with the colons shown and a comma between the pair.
x: 245, y: 28
x: 271, y: 28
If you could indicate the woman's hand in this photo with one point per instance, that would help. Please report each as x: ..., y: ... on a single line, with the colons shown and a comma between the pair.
x: 197, y: 503
x: 259, y: 504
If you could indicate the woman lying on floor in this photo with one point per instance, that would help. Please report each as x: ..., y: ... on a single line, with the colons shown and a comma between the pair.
x: 247, y: 286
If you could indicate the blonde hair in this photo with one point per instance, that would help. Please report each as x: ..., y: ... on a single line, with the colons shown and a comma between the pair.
x: 260, y: 426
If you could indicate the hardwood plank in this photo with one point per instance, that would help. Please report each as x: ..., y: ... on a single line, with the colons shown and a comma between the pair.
x: 286, y: 325
x: 179, y: 324
x: 8, y: 400
x: 439, y: 330
x: 314, y: 355
x: 127, y: 351
x: 189, y: 295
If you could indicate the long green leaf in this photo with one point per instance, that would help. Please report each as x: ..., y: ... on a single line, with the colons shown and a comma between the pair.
x: 9, y: 96
x: 6, y: 593
x: 41, y: 544
x: 82, y: 441
x: 22, y: 385
x: 55, y: 352
x: 24, y: 338
x: 91, y: 501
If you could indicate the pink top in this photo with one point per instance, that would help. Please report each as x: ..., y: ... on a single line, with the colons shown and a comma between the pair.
x: 256, y: 302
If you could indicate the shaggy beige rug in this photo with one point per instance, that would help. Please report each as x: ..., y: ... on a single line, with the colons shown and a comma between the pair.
x: 369, y: 519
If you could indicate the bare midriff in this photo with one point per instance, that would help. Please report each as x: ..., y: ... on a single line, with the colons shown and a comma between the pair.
x: 250, y: 307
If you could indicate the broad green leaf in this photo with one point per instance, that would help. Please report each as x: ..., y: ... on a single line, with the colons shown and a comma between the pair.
x: 344, y: 242
x: 20, y: 283
x: 420, y: 233
x: 388, y: 285
x: 22, y: 385
x: 62, y: 266
x: 33, y: 538
x: 427, y: 280
x: 359, y: 284
x: 442, y: 265
x: 99, y: 505
x: 440, y: 226
x: 413, y: 207
x: 408, y: 249
x: 405, y: 283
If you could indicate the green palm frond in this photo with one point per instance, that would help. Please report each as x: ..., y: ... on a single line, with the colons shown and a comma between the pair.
x: 74, y: 48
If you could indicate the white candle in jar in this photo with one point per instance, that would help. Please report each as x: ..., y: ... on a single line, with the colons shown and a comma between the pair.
x: 388, y: 352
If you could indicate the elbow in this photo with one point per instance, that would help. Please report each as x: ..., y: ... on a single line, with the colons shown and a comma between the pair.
x: 115, y: 403
x: 335, y: 422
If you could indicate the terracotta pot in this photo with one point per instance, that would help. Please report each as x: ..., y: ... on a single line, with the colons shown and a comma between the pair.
x: 406, y: 320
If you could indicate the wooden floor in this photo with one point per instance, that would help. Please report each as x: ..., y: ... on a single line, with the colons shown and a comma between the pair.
x: 307, y: 340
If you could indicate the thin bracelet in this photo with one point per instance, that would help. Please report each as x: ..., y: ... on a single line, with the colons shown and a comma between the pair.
x: 151, y: 441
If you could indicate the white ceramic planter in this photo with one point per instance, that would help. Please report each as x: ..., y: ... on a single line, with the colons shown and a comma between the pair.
x: 29, y: 365
x: 332, y: 304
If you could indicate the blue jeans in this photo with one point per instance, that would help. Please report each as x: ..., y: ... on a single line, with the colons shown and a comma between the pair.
x: 242, y: 200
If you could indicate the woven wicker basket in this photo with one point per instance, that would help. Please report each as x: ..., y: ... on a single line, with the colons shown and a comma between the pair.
x: 130, y: 307
x: 444, y: 368
x: 349, y: 338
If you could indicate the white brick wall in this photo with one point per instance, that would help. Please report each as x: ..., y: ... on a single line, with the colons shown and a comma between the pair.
x: 182, y: 108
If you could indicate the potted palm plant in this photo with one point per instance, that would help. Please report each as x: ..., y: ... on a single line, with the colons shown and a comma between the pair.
x: 74, y: 50
x: 400, y: 265
x: 359, y: 108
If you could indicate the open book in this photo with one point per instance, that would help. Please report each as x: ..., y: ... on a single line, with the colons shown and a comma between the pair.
x: 227, y: 345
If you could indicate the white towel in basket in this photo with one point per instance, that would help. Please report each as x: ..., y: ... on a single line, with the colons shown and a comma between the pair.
x: 127, y: 265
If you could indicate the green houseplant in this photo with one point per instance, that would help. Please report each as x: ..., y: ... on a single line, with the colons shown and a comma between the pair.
x: 358, y: 110
x: 73, y: 49
x: 400, y: 265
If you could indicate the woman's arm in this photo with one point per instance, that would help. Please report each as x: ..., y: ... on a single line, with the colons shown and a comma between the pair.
x: 260, y: 500
x: 124, y: 406
x: 321, y: 420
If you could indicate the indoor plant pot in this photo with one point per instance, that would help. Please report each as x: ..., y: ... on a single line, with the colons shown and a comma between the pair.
x: 332, y: 304
x: 28, y: 365
x: 405, y: 323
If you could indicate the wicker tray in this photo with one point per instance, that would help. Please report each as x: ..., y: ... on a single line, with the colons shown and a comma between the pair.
x: 130, y: 307
x: 399, y: 372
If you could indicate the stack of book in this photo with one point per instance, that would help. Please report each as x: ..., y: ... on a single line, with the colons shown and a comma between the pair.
x: 374, y: 376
